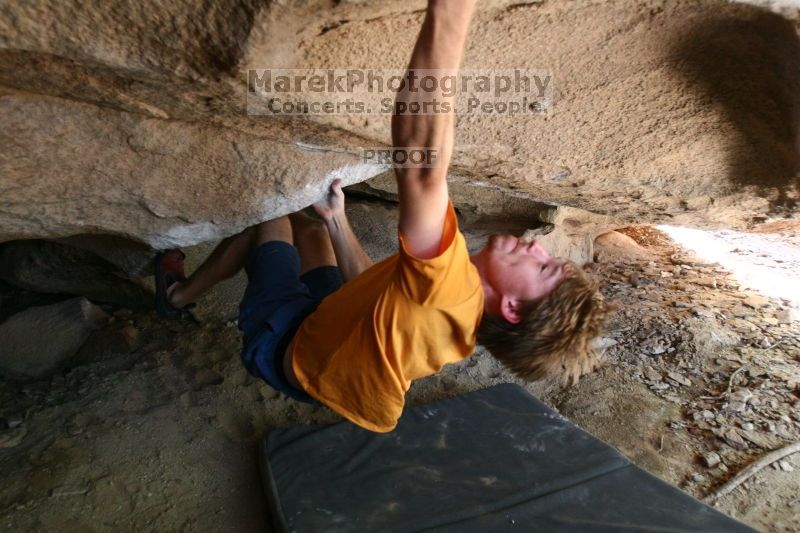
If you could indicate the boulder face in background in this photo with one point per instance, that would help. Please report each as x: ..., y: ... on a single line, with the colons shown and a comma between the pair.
x: 566, y: 242
x: 14, y: 299
x: 570, y: 233
x: 133, y: 259
x: 49, y: 267
x: 39, y: 341
x: 616, y: 246
x: 131, y: 119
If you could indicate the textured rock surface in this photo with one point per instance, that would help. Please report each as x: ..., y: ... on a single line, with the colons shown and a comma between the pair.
x: 663, y: 110
x: 130, y: 119
x: 131, y: 258
x: 166, y: 183
x: 54, y: 268
x: 40, y: 340
x: 14, y: 299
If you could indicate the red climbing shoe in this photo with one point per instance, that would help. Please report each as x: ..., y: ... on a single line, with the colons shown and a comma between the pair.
x: 169, y: 270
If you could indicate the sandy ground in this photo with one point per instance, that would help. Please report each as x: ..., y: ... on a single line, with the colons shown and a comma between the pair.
x: 160, y: 430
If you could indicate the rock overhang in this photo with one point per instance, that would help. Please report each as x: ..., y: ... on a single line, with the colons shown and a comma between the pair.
x: 143, y: 112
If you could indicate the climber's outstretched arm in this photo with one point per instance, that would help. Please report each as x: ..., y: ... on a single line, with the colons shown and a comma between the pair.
x: 423, y: 189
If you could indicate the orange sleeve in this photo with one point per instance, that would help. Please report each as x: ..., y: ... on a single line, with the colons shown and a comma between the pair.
x: 420, y: 278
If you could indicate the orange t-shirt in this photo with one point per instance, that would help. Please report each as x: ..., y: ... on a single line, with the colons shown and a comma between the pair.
x: 401, y: 319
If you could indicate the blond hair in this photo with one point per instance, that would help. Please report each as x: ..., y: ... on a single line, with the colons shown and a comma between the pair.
x: 554, y: 338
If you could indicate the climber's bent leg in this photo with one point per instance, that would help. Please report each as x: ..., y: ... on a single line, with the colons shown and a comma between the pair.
x: 227, y: 259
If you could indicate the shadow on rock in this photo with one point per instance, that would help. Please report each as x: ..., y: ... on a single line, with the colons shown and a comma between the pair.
x: 54, y: 268
x: 748, y: 65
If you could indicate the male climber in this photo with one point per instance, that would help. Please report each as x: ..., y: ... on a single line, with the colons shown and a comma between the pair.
x: 321, y: 322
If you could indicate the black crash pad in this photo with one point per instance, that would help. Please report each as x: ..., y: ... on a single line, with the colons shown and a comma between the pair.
x: 492, y: 460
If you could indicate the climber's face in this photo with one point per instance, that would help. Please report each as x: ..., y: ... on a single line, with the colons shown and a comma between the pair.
x: 515, y: 272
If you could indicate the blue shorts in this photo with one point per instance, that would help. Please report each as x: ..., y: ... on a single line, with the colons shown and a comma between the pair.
x: 276, y: 302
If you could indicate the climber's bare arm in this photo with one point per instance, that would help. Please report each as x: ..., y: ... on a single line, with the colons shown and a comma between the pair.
x: 350, y: 256
x: 423, y: 190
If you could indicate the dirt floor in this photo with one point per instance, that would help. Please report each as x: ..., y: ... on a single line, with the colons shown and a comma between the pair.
x: 160, y: 430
